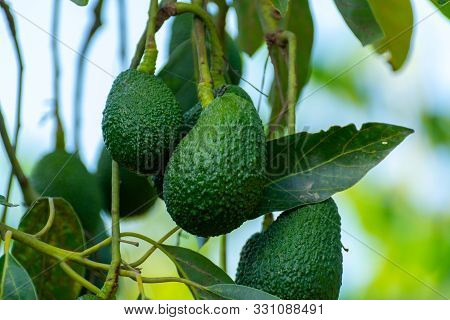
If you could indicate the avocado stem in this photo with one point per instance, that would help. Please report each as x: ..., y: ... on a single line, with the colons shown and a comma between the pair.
x: 62, y: 255
x: 29, y: 194
x: 217, y: 55
x: 148, y: 64
x: 59, y: 133
x: 20, y: 68
x: 205, y: 83
x: 269, y: 17
x: 110, y: 286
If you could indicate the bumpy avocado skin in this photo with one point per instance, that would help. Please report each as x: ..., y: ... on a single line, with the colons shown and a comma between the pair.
x: 61, y: 174
x: 298, y: 257
x: 215, y: 178
x: 141, y: 121
x: 136, y: 193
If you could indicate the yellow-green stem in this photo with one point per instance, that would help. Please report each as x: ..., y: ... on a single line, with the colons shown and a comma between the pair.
x: 205, y: 83
x: 217, y: 56
x: 292, y: 79
x: 8, y: 237
x: 148, y: 64
x: 76, y: 277
x: 110, y: 286
x: 51, y: 218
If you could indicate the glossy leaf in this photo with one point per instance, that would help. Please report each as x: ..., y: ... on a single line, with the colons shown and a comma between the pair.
x: 397, y: 20
x: 66, y: 232
x: 238, y: 292
x: 5, y: 203
x: 15, y: 283
x: 360, y: 19
x: 444, y: 6
x: 196, y: 267
x: 250, y: 35
x: 282, y: 6
x: 310, y: 167
x: 80, y: 2
x: 299, y: 21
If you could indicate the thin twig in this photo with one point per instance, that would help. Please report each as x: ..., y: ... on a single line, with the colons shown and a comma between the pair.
x: 59, y: 133
x: 14, y: 35
x: 78, y: 278
x: 96, y: 23
x: 110, y: 286
x: 50, y: 220
x: 28, y: 192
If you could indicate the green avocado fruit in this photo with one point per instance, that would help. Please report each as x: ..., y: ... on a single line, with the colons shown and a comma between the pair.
x: 298, y: 257
x: 137, y: 195
x: 215, y: 177
x: 141, y: 122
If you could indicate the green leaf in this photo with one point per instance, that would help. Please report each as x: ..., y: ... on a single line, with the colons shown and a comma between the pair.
x: 307, y: 168
x: 282, y: 6
x: 250, y: 34
x: 299, y: 21
x: 360, y: 19
x: 238, y: 292
x: 15, y: 282
x: 50, y: 280
x: 444, y: 6
x: 80, y: 2
x: 397, y: 20
x: 3, y: 202
x: 196, y: 267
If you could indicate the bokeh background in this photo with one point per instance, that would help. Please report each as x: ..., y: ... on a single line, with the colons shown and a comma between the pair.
x: 396, y: 222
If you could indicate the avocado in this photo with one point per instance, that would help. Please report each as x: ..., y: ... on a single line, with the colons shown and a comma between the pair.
x: 141, y: 122
x: 215, y: 178
x: 298, y: 257
x: 231, y: 88
x: 191, y: 116
x: 136, y: 193
x: 61, y: 174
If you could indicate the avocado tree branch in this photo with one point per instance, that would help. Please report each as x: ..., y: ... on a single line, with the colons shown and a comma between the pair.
x: 142, y: 259
x: 59, y: 133
x: 221, y: 19
x: 95, y: 25
x: 148, y: 64
x: 217, y: 55
x: 28, y: 192
x: 17, y: 48
x: 66, y: 255
x: 78, y: 278
x: 110, y: 286
x: 205, y: 83
x: 50, y: 220
x: 139, y: 52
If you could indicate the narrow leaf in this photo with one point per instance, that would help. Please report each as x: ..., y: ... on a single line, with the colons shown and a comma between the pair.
x: 360, y: 19
x: 80, y: 2
x: 66, y: 232
x: 238, y: 292
x: 196, y: 267
x: 250, y: 34
x: 397, y: 20
x: 282, y: 6
x: 5, y: 203
x: 15, y: 284
x: 444, y: 6
x: 307, y: 168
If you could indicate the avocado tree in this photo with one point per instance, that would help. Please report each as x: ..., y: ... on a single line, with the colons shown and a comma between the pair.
x: 193, y: 137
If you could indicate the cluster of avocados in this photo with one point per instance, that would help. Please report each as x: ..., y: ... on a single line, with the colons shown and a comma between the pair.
x: 208, y: 164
